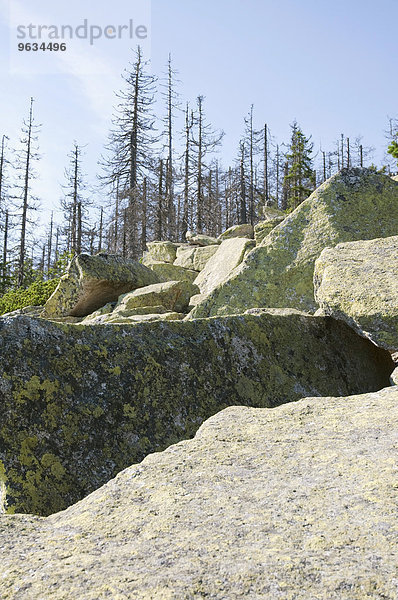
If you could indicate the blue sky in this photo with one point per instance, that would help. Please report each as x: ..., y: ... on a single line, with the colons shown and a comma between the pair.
x: 330, y: 65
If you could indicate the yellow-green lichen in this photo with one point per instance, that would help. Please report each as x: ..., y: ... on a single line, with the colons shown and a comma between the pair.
x: 85, y: 402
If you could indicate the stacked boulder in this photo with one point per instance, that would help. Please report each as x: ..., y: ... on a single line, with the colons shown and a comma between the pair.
x: 80, y: 404
x: 355, y: 204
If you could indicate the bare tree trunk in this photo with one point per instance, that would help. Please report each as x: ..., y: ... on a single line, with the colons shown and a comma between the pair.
x: 169, y: 174
x: 116, y: 234
x: 144, y: 215
x: 218, y: 219
x: 199, y: 199
x: 92, y: 239
x: 251, y: 188
x: 79, y: 228
x: 43, y: 260
x: 348, y: 153
x: 242, y: 205
x: 2, y: 162
x: 185, y: 212
x: 21, y: 262
x: 228, y: 203
x: 5, y: 249
x: 342, y: 150
x: 266, y: 186
x: 75, y: 216
x: 56, y: 246
x: 159, y: 219
x: 125, y: 225
x: 285, y: 191
x: 132, y: 225
x: 101, y: 230
x: 277, y: 175
x: 50, y: 239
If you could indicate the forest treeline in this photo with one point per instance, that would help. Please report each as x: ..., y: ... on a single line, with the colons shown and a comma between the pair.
x: 157, y: 180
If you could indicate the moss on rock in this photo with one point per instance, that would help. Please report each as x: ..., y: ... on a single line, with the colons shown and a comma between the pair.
x: 174, y: 295
x: 94, y: 399
x: 194, y: 258
x: 297, y: 502
x: 93, y: 281
x: 355, y: 204
x: 168, y: 272
x: 358, y: 282
x: 164, y: 251
x: 219, y: 267
x: 245, y: 230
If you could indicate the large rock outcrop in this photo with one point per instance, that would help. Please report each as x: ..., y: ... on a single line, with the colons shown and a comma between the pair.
x: 79, y: 403
x: 219, y: 267
x: 358, y: 282
x: 272, y: 218
x: 164, y: 251
x: 201, y: 239
x: 173, y: 295
x: 194, y: 258
x: 168, y: 272
x: 355, y: 204
x: 294, y: 502
x: 245, y: 230
x: 93, y: 281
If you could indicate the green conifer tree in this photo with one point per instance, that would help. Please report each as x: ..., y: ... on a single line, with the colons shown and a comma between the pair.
x: 299, y: 180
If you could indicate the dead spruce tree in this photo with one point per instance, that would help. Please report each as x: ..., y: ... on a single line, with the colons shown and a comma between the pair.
x: 75, y: 203
x: 130, y: 146
x: 168, y: 86
x: 205, y: 141
x: 25, y: 201
x: 4, y: 214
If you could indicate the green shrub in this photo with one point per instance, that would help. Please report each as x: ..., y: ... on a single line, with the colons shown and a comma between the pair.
x: 36, y: 294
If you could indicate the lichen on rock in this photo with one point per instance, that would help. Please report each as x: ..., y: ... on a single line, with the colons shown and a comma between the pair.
x: 173, y: 295
x: 168, y: 272
x: 358, y: 282
x: 245, y: 230
x: 164, y: 251
x: 93, y: 281
x: 355, y: 204
x: 294, y: 502
x: 194, y: 258
x: 219, y: 267
x: 98, y: 398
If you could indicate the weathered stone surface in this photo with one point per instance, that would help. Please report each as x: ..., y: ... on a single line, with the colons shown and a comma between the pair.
x: 79, y: 403
x: 131, y: 317
x: 358, y: 282
x: 201, y: 239
x: 220, y: 266
x: 270, y: 213
x: 173, y: 295
x: 194, y: 258
x: 196, y: 299
x: 33, y: 311
x: 104, y: 310
x: 142, y: 310
x: 352, y: 205
x: 298, y: 502
x: 241, y: 231
x: 109, y: 316
x: 168, y: 272
x: 93, y: 281
x: 261, y: 230
x: 160, y: 251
